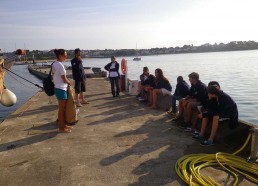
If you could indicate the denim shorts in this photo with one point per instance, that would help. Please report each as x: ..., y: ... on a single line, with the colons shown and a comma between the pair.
x: 61, y: 94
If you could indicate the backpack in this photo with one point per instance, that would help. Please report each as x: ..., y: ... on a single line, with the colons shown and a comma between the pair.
x: 48, y: 84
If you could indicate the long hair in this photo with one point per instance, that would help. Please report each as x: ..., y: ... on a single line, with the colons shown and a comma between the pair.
x: 160, y: 77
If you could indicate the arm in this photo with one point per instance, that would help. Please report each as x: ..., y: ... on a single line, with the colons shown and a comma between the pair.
x: 107, y: 67
x: 65, y: 79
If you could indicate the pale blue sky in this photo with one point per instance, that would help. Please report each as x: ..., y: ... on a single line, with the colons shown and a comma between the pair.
x: 117, y: 24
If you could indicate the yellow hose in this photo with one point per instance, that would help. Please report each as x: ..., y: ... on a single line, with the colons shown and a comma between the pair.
x: 188, y: 167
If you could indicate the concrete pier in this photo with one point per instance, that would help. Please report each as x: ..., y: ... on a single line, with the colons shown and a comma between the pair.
x: 117, y: 141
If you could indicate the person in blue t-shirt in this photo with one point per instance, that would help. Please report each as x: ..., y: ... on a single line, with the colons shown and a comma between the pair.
x: 220, y: 106
x: 182, y: 90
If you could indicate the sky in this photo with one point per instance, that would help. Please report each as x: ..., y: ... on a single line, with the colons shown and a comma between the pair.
x: 121, y: 24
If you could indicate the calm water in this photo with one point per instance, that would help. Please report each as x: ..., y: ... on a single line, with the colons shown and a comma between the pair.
x: 237, y: 73
x: 21, y: 89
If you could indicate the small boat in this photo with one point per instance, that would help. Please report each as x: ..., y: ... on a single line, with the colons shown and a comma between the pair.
x: 137, y: 59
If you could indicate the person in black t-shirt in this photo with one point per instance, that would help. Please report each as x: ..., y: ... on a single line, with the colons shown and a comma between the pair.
x: 182, y: 90
x: 197, y: 97
x: 220, y: 106
x: 79, y: 77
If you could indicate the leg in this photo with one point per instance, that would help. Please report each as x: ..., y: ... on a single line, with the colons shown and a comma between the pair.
x: 181, y: 107
x: 154, y: 98
x: 150, y: 96
x: 174, y: 99
x: 203, y: 127
x: 77, y: 89
x: 112, y: 85
x: 117, y: 86
x: 139, y: 88
x: 215, y: 124
x: 61, y: 114
x: 189, y: 112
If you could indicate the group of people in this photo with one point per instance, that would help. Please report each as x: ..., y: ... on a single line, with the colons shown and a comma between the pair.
x: 211, y: 103
x: 61, y: 83
x: 196, y: 101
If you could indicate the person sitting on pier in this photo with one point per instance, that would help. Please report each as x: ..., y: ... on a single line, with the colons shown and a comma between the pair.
x: 201, y: 110
x: 147, y: 83
x: 143, y: 77
x: 197, y: 96
x: 113, y: 68
x: 61, y: 83
x: 182, y: 90
x: 162, y: 86
x: 79, y: 77
x: 220, y: 107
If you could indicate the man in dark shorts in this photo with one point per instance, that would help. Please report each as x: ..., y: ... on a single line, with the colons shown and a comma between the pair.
x: 197, y: 97
x: 79, y: 77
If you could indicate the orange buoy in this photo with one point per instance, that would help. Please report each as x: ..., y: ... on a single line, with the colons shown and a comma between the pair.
x: 124, y: 66
x: 20, y: 52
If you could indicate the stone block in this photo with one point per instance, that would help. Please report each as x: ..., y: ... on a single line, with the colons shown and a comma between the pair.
x: 164, y: 102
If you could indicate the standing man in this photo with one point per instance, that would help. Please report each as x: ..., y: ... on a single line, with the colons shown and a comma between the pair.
x: 79, y: 77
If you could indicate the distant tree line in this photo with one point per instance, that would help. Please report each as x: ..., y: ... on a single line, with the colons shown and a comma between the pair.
x: 231, y: 46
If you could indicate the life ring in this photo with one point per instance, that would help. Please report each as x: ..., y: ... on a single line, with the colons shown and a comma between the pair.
x: 124, y: 66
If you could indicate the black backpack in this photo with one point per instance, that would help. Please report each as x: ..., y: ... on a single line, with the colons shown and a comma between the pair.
x: 48, y: 84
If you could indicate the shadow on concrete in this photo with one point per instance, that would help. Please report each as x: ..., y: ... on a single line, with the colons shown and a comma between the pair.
x: 27, y: 141
x: 124, y: 108
x: 45, y: 108
x: 173, y: 143
x: 49, y: 126
x: 162, y: 137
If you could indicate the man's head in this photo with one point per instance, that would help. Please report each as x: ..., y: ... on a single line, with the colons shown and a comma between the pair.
x: 77, y: 52
x: 213, y: 91
x: 145, y: 70
x: 193, y: 78
x: 179, y: 79
x: 214, y: 83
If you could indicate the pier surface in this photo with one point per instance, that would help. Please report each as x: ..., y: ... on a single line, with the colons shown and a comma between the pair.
x: 117, y: 141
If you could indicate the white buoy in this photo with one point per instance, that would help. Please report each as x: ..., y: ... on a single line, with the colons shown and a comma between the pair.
x: 8, y: 98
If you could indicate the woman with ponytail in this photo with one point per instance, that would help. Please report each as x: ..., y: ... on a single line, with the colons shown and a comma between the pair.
x: 61, y: 83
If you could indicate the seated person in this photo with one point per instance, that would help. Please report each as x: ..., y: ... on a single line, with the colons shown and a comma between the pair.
x: 220, y: 105
x: 197, y: 96
x: 143, y: 77
x: 162, y: 86
x: 182, y: 90
x: 200, y: 109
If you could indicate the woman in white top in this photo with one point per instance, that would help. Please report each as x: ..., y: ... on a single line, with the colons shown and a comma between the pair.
x: 61, y: 83
x: 113, y: 68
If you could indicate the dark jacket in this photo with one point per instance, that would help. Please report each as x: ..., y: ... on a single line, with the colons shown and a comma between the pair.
x: 149, y: 81
x: 224, y: 107
x: 77, y: 69
x: 163, y: 84
x: 199, y: 92
x: 182, y: 89
x: 116, y: 69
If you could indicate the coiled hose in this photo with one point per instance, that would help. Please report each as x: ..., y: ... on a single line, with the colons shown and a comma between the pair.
x: 188, y: 167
